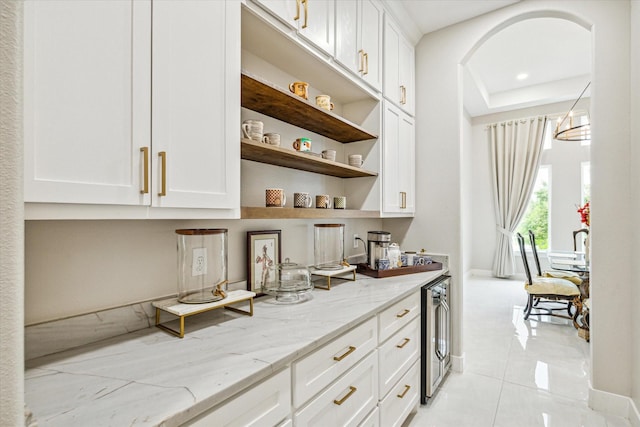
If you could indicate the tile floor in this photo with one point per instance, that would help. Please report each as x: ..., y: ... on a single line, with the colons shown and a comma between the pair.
x: 517, y: 373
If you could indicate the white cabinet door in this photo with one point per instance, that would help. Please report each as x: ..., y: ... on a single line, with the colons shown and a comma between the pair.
x: 399, y: 63
x: 348, y: 34
x: 264, y: 404
x: 359, y: 38
x: 317, y: 23
x: 371, y: 16
x: 86, y: 100
x: 407, y: 75
x: 347, y: 401
x: 196, y: 104
x: 398, y: 163
x: 288, y: 11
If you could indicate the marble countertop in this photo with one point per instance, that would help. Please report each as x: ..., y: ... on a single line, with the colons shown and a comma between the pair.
x: 150, y: 377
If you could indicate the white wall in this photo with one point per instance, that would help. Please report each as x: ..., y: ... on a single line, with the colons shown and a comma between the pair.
x: 11, y: 213
x: 438, y: 136
x: 469, y: 166
x: 635, y: 179
x: 77, y: 267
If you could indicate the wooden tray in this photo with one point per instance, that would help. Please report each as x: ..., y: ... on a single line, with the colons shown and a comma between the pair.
x: 364, y: 269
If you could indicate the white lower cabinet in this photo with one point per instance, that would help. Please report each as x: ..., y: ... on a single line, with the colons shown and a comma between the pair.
x: 372, y: 420
x: 398, y: 354
x: 317, y: 370
x: 347, y: 401
x: 398, y: 315
x: 265, y: 404
x: 402, y: 398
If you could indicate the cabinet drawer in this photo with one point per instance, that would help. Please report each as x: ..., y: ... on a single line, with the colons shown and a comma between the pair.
x: 348, y: 401
x: 404, y: 396
x: 267, y: 403
x: 317, y: 370
x: 397, y: 354
x: 372, y: 420
x: 398, y: 315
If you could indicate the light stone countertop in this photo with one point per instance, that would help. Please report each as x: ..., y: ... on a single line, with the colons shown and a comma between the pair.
x: 150, y: 377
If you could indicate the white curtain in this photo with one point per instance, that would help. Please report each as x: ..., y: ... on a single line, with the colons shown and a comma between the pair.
x: 516, y: 147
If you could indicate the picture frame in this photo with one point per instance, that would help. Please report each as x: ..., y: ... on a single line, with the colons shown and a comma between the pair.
x: 264, y: 253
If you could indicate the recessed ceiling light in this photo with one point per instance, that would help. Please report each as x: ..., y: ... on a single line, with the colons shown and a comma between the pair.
x: 522, y: 76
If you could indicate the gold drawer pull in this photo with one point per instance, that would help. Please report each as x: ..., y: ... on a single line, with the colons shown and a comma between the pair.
x: 406, y: 341
x: 404, y: 313
x: 295, y: 18
x: 145, y: 171
x: 348, y: 352
x: 352, y: 390
x: 163, y: 167
x: 406, y: 390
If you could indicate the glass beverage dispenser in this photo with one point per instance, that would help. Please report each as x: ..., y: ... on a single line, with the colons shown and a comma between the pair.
x: 202, y: 265
x: 328, y: 246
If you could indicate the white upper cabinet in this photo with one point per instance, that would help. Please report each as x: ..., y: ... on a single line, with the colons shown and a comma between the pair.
x: 313, y: 19
x: 90, y: 138
x: 399, y: 68
x: 196, y: 104
x: 87, y: 101
x: 398, y: 162
x: 359, y: 38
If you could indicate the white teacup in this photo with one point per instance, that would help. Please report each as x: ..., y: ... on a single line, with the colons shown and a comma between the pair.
x: 329, y: 155
x: 271, y: 139
x: 324, y: 101
x: 252, y: 129
x: 355, y: 160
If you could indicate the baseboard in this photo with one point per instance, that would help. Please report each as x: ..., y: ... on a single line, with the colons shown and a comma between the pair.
x: 457, y: 363
x: 614, y: 404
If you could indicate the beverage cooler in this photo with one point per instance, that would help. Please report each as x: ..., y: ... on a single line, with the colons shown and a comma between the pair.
x: 436, y: 335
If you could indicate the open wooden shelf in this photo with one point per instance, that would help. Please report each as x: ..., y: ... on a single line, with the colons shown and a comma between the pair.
x: 249, y: 212
x: 265, y: 153
x: 281, y: 104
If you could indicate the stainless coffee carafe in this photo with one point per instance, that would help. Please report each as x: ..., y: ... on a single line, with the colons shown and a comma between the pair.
x: 377, y: 246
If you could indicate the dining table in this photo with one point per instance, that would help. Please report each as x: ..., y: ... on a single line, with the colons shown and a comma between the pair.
x: 576, y: 262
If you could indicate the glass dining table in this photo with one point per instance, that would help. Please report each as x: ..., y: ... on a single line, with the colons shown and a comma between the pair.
x: 576, y: 262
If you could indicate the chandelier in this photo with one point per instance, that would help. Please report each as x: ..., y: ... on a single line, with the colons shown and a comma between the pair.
x: 566, y: 130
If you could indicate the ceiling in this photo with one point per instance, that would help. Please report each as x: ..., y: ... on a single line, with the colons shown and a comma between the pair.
x: 554, y: 53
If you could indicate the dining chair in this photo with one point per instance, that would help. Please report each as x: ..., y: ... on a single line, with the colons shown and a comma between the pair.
x: 575, y: 235
x: 547, y: 290
x: 571, y: 276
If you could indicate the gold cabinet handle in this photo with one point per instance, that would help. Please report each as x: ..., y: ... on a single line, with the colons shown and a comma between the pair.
x: 145, y: 171
x: 366, y: 62
x: 352, y: 390
x: 295, y: 18
x: 404, y: 313
x: 403, y: 199
x: 163, y: 167
x: 406, y: 341
x: 348, y: 352
x: 406, y: 390
x: 306, y: 12
x: 361, y: 61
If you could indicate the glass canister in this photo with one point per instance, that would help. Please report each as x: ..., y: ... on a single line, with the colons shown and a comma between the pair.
x: 293, y: 282
x: 328, y: 244
x: 202, y: 265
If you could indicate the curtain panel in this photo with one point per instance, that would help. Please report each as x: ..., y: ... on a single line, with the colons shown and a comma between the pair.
x: 516, y: 147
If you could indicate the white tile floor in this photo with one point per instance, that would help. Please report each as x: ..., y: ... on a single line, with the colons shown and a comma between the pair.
x: 517, y: 373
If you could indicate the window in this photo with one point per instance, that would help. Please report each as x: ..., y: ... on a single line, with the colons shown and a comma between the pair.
x: 551, y: 213
x: 536, y: 218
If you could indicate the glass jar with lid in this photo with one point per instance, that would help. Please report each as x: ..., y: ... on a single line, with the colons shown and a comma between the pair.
x: 292, y: 282
x: 202, y: 265
x: 328, y: 246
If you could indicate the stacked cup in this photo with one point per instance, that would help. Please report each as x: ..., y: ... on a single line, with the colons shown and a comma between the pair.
x: 355, y: 160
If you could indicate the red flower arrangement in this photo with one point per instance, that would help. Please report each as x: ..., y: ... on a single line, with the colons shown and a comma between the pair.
x: 585, y: 214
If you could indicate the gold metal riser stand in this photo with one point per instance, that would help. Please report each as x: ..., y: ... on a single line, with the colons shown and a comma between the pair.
x: 213, y: 306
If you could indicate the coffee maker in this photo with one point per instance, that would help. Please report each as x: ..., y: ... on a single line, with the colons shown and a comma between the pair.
x: 377, y: 246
